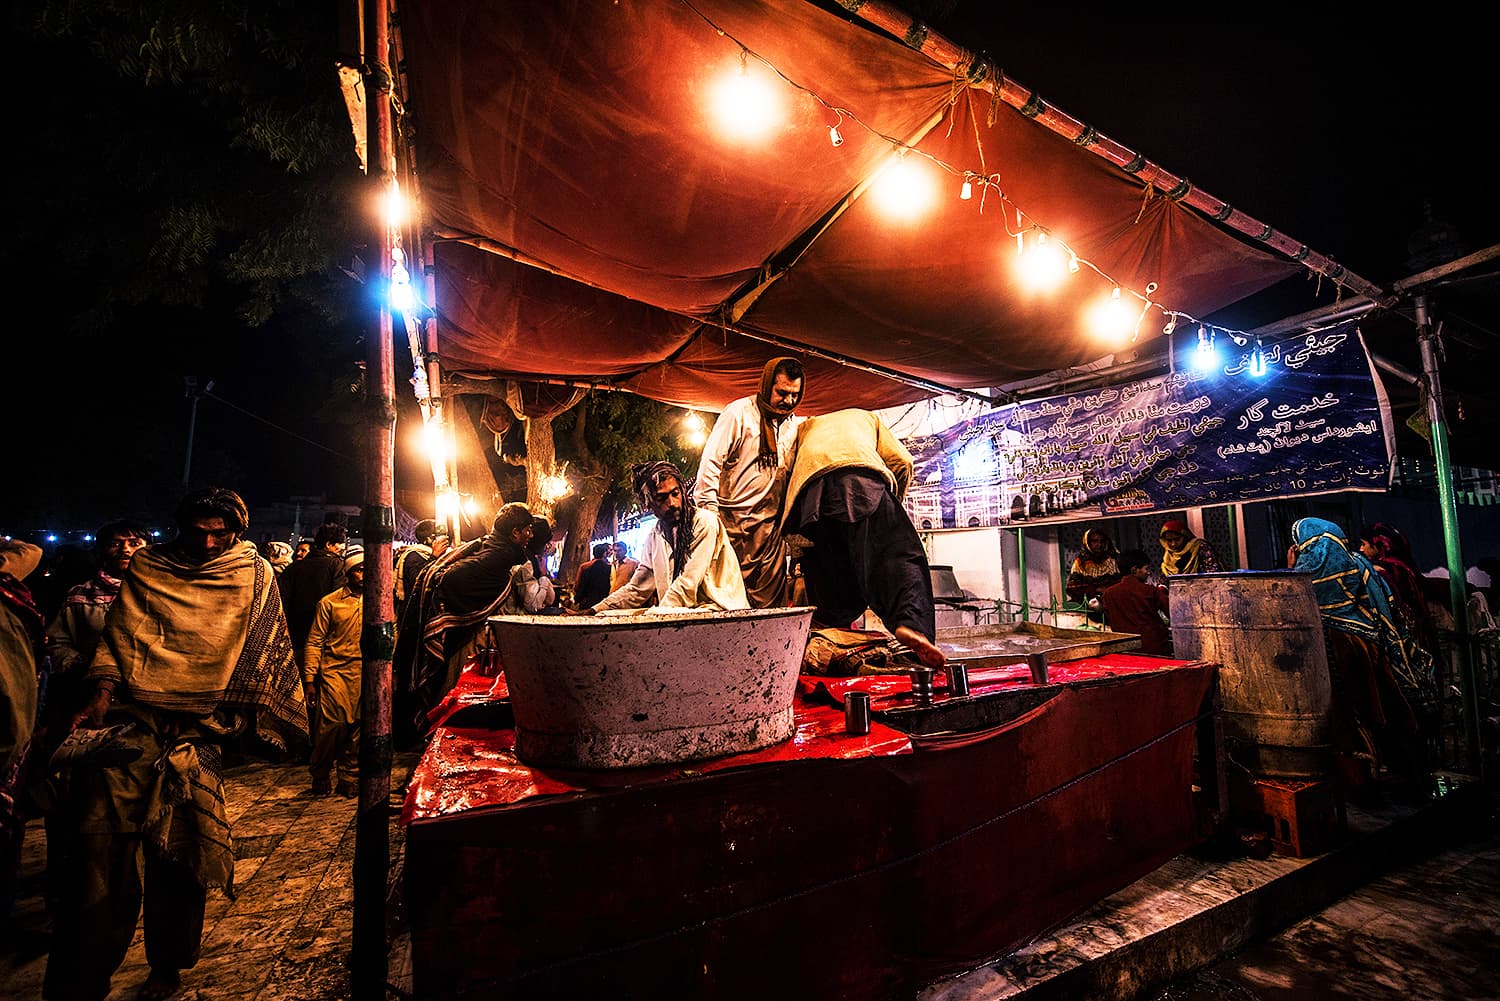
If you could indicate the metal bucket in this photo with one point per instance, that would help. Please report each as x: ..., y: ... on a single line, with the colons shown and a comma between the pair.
x: 618, y: 691
x: 1263, y: 629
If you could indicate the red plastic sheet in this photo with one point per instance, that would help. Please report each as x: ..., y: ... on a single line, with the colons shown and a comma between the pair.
x: 467, y: 769
x: 890, y: 690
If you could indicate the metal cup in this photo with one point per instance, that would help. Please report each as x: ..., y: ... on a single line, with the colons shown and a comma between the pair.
x: 857, y: 713
x: 958, y: 680
x: 921, y: 684
x: 1038, y: 664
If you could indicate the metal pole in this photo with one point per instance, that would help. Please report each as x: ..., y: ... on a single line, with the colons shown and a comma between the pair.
x: 1021, y: 569
x: 195, y: 394
x: 1427, y: 341
x: 372, y: 849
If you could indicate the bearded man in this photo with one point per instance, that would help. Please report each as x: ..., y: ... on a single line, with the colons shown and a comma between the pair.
x: 195, y: 650
x: 742, y: 475
x: 689, y: 560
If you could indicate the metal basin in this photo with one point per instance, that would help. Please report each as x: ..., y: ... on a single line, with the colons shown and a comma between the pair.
x: 619, y: 691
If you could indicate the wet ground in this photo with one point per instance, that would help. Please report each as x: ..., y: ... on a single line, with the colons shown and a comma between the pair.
x: 1426, y: 931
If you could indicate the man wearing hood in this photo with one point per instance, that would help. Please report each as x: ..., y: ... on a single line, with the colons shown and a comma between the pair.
x: 742, y: 475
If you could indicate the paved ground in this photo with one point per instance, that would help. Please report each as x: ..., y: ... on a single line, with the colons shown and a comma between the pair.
x: 1429, y: 929
x: 285, y: 937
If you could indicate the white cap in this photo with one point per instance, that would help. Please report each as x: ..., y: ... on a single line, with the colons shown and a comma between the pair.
x: 354, y: 556
x: 1477, y: 577
x: 1437, y: 573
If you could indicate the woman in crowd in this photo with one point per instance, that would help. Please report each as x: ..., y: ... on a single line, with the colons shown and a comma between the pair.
x: 1183, y: 552
x: 1376, y: 669
x: 1096, y: 568
x: 1389, y: 552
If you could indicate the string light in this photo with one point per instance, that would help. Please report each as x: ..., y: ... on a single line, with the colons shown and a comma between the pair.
x: 402, y: 298
x: 1257, y: 360
x: 904, y: 190
x: 915, y: 199
x: 746, y: 106
x: 1207, y: 355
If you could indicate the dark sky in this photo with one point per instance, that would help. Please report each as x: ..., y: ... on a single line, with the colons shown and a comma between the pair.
x: 1333, y: 130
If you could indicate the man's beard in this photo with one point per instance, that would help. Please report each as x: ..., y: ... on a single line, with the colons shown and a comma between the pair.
x: 669, y: 519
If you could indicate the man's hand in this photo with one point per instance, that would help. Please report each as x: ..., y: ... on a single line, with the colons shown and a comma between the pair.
x: 579, y: 611
x: 98, y: 705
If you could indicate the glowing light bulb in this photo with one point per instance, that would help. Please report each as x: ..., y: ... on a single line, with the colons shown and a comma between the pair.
x: 905, y: 189
x: 745, y: 104
x: 1207, y: 355
x: 693, y: 422
x: 1112, y: 320
x: 1257, y: 360
x: 393, y: 206
x: 401, y: 296
x: 1044, y: 265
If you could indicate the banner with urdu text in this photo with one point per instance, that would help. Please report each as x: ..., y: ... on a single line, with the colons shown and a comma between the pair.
x: 1315, y: 422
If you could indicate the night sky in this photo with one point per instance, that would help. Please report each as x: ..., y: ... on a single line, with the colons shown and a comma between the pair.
x: 1332, y: 131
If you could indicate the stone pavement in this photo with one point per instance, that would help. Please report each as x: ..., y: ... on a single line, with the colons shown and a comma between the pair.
x: 287, y: 934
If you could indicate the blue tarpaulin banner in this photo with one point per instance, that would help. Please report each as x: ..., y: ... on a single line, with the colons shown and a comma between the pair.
x: 1316, y: 421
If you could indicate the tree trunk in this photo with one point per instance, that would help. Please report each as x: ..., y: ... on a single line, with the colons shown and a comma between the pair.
x: 591, y: 482
x: 541, y: 466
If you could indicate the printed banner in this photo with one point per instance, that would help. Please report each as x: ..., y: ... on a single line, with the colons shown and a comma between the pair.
x: 1315, y: 422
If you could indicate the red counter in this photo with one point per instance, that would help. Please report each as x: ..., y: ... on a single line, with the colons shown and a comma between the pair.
x: 826, y: 867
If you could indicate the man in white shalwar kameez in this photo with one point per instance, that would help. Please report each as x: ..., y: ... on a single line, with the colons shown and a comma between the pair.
x: 688, y: 561
x: 742, y: 475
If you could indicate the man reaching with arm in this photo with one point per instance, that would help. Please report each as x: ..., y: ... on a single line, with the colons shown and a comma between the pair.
x: 689, y: 562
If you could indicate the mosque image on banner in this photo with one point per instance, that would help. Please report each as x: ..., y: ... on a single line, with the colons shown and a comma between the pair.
x: 1300, y: 416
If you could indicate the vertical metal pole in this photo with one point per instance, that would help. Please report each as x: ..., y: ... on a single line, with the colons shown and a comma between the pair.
x: 1457, y: 593
x: 372, y: 849
x: 195, y: 396
x: 1021, y: 569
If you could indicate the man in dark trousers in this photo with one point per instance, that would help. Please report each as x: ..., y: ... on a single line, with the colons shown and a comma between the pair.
x: 849, y: 473
x: 1132, y: 605
x: 306, y: 581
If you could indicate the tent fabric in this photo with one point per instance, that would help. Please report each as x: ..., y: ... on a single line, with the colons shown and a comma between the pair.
x: 571, y: 138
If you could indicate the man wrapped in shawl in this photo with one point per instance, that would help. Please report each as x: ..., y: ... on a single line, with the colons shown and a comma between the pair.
x: 689, y: 562
x: 1375, y: 669
x: 742, y: 475
x: 195, y: 651
x: 23, y: 682
x: 442, y: 623
x: 1096, y: 568
x: 1183, y: 552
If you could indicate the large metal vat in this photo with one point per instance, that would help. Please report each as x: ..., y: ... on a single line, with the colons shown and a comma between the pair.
x: 618, y: 691
x: 1264, y: 629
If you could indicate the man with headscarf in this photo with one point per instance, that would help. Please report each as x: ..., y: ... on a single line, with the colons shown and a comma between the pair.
x: 849, y: 473
x: 332, y: 666
x: 742, y: 474
x: 195, y: 650
x: 1183, y: 552
x: 1376, y: 670
x: 278, y: 554
x: 689, y: 562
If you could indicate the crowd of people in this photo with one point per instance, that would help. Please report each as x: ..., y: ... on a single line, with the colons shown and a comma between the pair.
x: 1383, y: 622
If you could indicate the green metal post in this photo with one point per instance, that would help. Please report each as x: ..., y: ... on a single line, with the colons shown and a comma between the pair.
x: 1457, y: 593
x: 1021, y: 569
